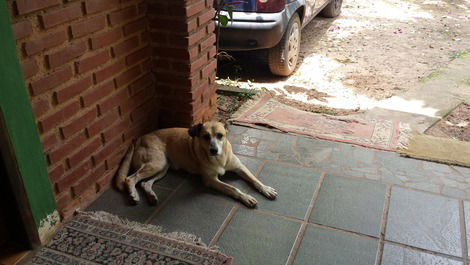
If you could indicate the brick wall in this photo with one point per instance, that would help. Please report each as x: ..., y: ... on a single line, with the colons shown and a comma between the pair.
x: 99, y: 73
x: 182, y: 40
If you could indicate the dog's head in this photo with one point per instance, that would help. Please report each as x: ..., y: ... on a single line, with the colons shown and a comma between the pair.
x: 212, y: 136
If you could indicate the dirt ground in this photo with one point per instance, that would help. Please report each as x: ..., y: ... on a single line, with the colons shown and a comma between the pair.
x: 373, y: 50
x: 454, y: 125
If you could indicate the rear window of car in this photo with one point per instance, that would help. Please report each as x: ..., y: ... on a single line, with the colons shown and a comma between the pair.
x: 247, y: 5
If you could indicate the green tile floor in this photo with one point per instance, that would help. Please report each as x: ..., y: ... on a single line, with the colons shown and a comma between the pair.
x: 337, y: 204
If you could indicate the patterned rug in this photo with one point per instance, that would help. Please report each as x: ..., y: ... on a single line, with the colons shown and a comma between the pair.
x: 266, y: 111
x: 101, y: 238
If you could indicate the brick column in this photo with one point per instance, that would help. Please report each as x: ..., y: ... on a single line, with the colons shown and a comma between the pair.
x: 183, y: 42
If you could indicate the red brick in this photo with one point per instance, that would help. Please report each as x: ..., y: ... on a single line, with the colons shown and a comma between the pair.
x: 175, y: 53
x: 212, y: 52
x: 123, y: 15
x: 101, y: 124
x: 105, y: 179
x: 108, y: 148
x: 174, y: 24
x: 106, y: 38
x: 68, y: 180
x: 88, y: 26
x: 135, y: 26
x: 68, y: 211
x: 210, y: 28
x: 52, y: 80
x: 84, y: 184
x: 138, y: 56
x: 56, y: 173
x: 109, y: 71
x: 79, y: 123
x: 128, y: 76
x: 147, y: 65
x: 112, y: 101
x: 60, y: 16
x: 195, y: 8
x: 208, y: 42
x: 40, y: 106
x: 22, y: 29
x: 63, y: 200
x: 193, y: 38
x: 28, y: 6
x: 133, y: 132
x: 143, y: 8
x: 204, y: 18
x: 140, y: 84
x: 30, y: 68
x: 116, y: 130
x: 144, y: 109
x: 66, y: 148
x: 209, y: 69
x: 84, y: 153
x: 126, y: 46
x: 93, y: 61
x: 137, y: 99
x: 66, y: 55
x: 71, y: 91
x: 97, y: 93
x: 209, y: 3
x: 93, y: 6
x: 47, y: 41
x: 48, y: 142
x: 61, y: 115
x: 113, y: 161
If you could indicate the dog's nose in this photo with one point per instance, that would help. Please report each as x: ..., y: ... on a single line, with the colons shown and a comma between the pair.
x: 213, y: 151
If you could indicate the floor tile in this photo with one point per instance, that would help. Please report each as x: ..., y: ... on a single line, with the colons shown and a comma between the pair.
x: 397, y: 255
x: 350, y: 204
x: 424, y: 220
x: 295, y: 187
x: 326, y: 247
x: 192, y: 211
x: 466, y: 205
x: 172, y: 179
x: 118, y: 203
x: 254, y: 238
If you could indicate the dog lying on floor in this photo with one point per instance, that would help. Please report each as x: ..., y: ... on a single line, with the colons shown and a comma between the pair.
x: 202, y: 149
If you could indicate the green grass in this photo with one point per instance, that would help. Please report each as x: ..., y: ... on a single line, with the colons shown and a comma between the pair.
x: 459, y: 54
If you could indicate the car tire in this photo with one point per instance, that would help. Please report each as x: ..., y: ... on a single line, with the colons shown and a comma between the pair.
x: 282, y: 58
x: 333, y: 9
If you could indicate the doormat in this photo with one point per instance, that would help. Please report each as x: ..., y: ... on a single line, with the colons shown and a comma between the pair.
x: 266, y: 111
x: 437, y: 149
x: 102, y: 238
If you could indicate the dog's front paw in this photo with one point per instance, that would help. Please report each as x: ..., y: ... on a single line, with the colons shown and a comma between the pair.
x: 249, y: 201
x: 269, y: 192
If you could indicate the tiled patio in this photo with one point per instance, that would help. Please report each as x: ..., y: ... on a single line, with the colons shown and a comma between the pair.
x: 337, y: 204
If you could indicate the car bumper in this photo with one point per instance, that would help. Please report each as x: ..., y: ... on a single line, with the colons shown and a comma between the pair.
x: 253, y: 31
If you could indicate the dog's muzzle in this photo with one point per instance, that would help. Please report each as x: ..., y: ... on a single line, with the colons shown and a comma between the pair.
x: 214, y: 151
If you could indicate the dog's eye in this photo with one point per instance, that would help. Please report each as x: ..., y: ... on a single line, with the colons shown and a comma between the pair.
x: 207, y: 137
x: 219, y: 136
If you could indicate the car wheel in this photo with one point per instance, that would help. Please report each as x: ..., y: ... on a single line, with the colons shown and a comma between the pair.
x: 333, y: 9
x: 282, y: 58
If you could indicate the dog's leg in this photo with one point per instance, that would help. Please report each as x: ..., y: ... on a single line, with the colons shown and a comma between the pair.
x: 215, y: 183
x: 145, y: 171
x: 147, y: 185
x: 245, y: 173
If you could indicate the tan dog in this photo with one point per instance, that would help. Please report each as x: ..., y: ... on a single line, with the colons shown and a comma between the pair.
x: 202, y: 149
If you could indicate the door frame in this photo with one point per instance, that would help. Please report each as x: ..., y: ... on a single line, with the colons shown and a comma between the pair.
x: 20, y: 143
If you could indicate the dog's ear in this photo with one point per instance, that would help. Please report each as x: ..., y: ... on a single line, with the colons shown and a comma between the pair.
x: 195, y: 130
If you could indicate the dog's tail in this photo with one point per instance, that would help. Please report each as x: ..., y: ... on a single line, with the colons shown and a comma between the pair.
x: 124, y: 168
